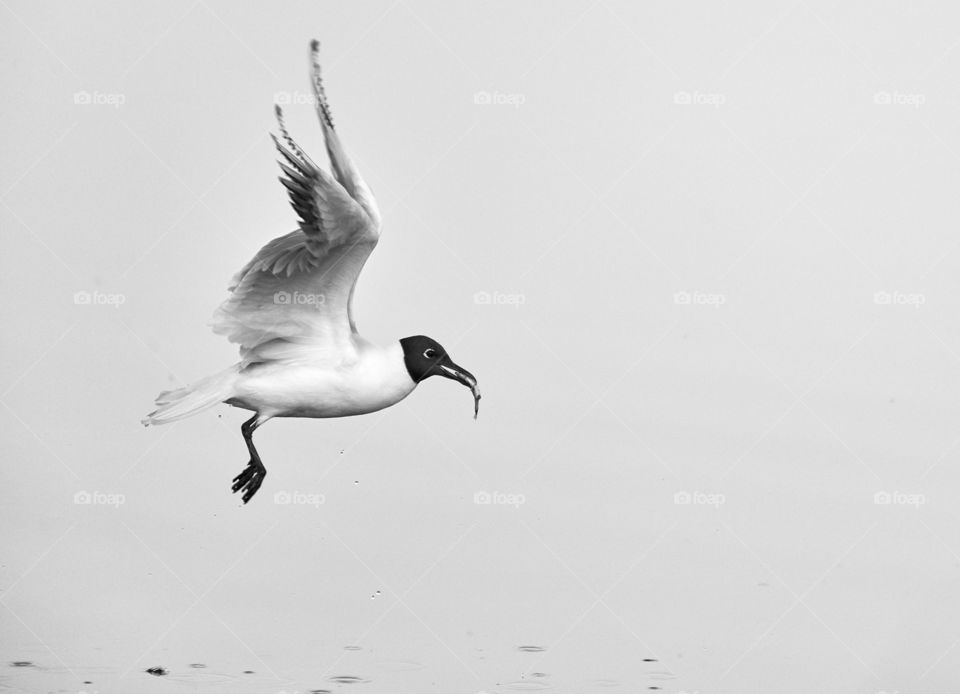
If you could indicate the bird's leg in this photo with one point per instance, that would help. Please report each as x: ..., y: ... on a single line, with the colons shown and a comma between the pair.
x: 252, y: 476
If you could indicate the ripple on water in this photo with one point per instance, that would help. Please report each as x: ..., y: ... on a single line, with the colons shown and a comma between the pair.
x: 21, y: 663
x: 531, y: 649
x: 156, y: 671
x: 606, y: 683
x: 526, y: 685
x: 353, y: 648
x: 201, y: 677
x: 661, y: 675
x: 399, y: 665
x: 349, y: 679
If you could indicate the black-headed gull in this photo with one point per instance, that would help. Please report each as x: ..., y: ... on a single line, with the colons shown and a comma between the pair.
x: 290, y: 312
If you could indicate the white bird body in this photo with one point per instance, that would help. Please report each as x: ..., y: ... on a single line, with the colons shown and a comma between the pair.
x: 375, y: 379
x: 290, y: 311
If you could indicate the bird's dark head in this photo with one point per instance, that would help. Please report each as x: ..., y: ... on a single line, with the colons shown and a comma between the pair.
x: 425, y: 357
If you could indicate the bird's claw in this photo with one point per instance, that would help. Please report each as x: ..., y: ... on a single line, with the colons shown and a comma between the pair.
x: 249, y: 480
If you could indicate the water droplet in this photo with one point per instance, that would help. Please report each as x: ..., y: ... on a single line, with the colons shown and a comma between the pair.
x: 526, y: 686
x: 21, y: 663
x: 531, y: 649
x: 352, y: 648
x: 197, y: 665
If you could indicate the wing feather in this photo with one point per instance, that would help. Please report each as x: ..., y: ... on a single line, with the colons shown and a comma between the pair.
x: 293, y: 299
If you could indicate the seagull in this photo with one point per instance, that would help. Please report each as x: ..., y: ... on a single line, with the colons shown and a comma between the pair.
x: 290, y: 311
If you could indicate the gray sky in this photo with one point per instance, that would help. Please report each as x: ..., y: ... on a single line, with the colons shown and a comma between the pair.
x: 702, y: 259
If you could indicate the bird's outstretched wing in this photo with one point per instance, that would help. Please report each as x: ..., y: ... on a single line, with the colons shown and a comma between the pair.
x: 343, y: 169
x: 293, y: 299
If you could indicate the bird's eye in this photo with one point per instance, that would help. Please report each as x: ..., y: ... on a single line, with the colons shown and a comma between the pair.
x: 430, y: 353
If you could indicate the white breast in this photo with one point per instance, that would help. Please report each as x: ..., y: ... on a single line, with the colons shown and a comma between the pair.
x: 377, y: 379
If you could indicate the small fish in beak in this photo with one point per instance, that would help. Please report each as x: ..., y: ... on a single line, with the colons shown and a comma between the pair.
x: 461, y: 375
x: 425, y: 357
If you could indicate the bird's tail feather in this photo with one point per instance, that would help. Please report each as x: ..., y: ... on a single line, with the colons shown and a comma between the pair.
x: 185, y: 402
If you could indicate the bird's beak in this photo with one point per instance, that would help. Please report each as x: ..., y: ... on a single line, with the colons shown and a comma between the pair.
x: 448, y: 369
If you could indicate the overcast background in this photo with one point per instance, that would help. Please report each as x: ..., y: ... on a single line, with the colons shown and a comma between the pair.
x: 703, y: 258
